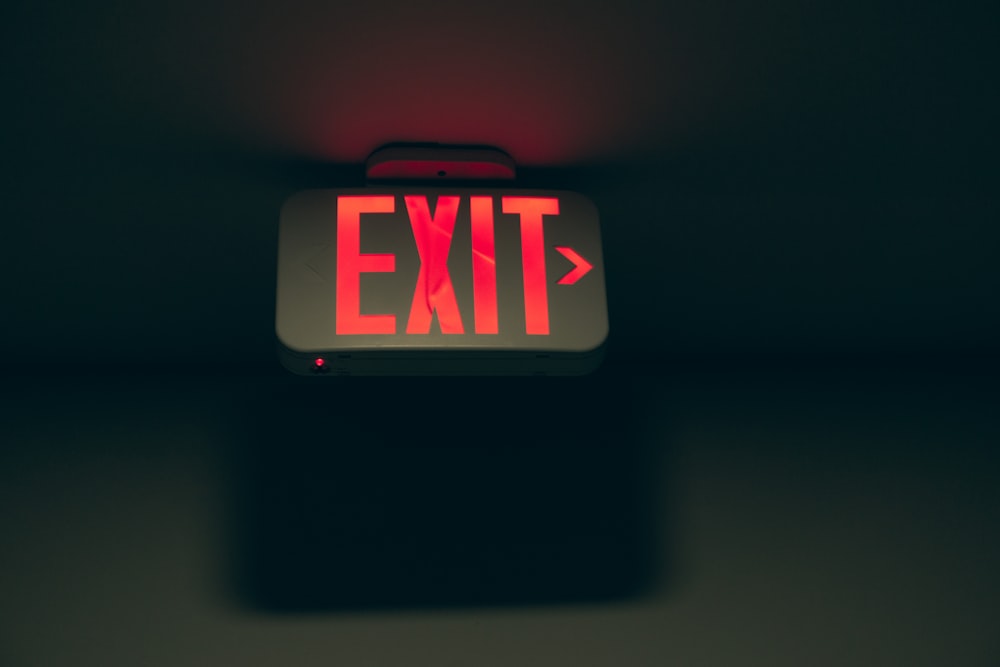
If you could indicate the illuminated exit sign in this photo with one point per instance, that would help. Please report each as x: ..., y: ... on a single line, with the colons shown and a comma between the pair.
x: 440, y: 281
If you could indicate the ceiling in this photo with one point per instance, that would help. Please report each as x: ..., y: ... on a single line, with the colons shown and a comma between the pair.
x: 772, y: 177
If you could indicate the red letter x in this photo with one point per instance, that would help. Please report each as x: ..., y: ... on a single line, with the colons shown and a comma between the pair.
x: 434, y: 292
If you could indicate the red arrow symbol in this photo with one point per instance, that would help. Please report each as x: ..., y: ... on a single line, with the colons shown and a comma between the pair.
x: 581, y: 266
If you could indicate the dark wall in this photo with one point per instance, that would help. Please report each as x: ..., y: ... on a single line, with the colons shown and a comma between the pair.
x: 790, y: 456
x: 764, y: 517
x: 791, y: 178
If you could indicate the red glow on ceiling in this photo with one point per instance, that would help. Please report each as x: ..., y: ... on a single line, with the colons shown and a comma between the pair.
x: 337, y: 80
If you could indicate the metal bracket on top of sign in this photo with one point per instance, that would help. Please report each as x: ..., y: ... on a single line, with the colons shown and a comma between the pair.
x: 435, y: 162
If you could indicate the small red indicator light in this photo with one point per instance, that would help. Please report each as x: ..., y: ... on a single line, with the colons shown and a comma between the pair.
x: 319, y: 363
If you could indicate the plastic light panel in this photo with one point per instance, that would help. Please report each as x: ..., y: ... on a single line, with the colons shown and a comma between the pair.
x: 432, y: 281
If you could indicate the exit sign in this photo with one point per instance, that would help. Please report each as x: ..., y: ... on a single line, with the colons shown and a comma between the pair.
x: 401, y: 281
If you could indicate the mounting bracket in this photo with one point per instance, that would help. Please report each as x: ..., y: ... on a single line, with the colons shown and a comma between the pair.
x: 439, y: 163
